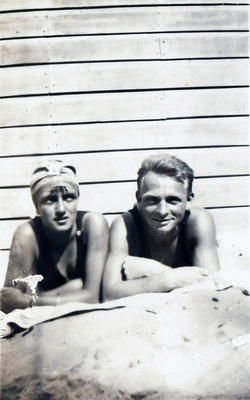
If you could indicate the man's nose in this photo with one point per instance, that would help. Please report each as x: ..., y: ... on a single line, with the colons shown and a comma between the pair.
x: 163, y: 208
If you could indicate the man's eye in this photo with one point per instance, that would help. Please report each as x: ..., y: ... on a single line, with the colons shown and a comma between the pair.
x: 151, y: 201
x: 173, y: 201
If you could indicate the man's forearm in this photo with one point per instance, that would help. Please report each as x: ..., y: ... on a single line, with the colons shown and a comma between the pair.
x: 140, y: 267
x: 166, y: 281
x: 157, y: 283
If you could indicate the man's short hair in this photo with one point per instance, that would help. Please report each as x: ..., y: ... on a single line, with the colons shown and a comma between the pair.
x: 166, y: 164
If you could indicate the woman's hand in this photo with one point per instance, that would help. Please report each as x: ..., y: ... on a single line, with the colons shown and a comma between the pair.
x: 12, y: 298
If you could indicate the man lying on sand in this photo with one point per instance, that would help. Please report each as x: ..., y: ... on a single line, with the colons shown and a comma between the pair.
x: 163, y: 243
x: 65, y: 247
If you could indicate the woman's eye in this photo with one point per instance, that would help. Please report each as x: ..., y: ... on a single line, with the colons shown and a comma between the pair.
x: 49, y: 200
x: 69, y: 197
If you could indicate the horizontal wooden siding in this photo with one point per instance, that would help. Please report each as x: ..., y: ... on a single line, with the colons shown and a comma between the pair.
x: 102, y: 84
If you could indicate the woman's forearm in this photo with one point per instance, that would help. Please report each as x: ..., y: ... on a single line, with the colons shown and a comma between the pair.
x: 83, y: 296
x: 68, y: 287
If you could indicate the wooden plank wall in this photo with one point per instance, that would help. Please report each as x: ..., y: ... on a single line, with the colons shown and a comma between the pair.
x: 103, y: 83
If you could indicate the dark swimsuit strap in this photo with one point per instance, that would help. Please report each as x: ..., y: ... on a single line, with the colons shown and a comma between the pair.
x: 81, y: 247
x: 143, y: 241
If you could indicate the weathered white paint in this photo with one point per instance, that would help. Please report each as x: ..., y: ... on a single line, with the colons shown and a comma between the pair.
x: 110, y: 76
x: 29, y: 4
x: 123, y: 106
x: 123, y: 20
x: 123, y: 165
x: 131, y: 135
x: 124, y: 47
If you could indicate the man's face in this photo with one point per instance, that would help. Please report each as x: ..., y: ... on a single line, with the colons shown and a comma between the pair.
x: 57, y: 207
x: 162, y: 202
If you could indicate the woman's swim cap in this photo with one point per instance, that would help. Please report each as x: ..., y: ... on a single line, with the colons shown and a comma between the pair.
x: 52, y: 173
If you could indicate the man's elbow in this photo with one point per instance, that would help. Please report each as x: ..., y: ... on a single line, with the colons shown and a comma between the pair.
x: 92, y: 298
x: 110, y: 293
x: 213, y: 268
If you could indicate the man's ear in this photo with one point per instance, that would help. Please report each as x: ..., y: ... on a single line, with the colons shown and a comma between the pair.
x: 190, y: 197
x: 37, y: 210
x: 138, y: 197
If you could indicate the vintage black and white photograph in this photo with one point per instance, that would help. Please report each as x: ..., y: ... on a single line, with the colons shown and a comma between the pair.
x: 124, y: 200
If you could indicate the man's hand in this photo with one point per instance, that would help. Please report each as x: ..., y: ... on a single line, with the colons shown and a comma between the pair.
x: 139, y: 267
x: 12, y: 298
x: 184, y: 276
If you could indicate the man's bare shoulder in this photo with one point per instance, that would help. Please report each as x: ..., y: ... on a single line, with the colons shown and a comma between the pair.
x: 199, y: 220
x: 122, y: 223
x: 125, y: 222
x: 128, y: 219
x: 125, y: 227
x: 198, y: 213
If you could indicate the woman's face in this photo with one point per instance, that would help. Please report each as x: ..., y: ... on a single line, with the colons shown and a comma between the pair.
x: 57, y: 206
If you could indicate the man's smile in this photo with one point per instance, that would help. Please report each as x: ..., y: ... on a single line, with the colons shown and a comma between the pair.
x: 61, y: 220
x: 162, y: 221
